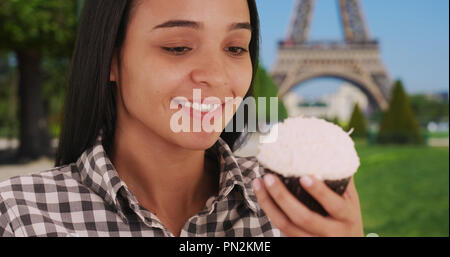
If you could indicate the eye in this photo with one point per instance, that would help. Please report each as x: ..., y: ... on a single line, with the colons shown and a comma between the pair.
x: 179, y: 50
x: 236, y: 51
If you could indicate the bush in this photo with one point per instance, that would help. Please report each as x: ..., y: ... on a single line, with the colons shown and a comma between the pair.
x: 399, y: 124
x: 263, y: 86
x: 358, y: 123
x: 429, y: 109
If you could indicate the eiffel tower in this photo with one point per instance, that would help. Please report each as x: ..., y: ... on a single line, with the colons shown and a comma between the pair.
x: 356, y: 60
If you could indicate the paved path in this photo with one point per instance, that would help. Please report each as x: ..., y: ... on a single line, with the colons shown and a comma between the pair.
x: 7, y: 171
x: 11, y: 170
x: 438, y: 142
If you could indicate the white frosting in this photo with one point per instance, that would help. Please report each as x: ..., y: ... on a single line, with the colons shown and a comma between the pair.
x: 310, y: 146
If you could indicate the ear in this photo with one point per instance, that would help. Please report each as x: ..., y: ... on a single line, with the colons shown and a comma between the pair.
x: 114, y: 71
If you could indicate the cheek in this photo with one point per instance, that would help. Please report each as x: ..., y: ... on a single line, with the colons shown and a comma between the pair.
x: 135, y: 88
x: 148, y: 83
x: 241, y: 77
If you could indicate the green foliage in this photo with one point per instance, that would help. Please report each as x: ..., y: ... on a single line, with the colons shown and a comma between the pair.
x: 9, y: 124
x: 399, y: 124
x: 265, y: 87
x: 376, y: 116
x: 47, y: 27
x: 44, y: 25
x: 318, y: 103
x: 358, y: 123
x: 54, y: 81
x: 335, y: 120
x: 429, y: 109
x: 8, y: 111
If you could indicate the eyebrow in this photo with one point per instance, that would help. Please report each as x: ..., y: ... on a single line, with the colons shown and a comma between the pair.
x: 197, y: 25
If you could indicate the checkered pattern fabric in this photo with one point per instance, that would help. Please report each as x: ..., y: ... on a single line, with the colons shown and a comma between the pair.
x: 88, y: 198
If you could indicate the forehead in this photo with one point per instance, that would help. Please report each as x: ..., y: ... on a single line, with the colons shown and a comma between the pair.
x: 213, y: 12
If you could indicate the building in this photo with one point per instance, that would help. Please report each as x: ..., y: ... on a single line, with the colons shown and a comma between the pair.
x: 339, y: 104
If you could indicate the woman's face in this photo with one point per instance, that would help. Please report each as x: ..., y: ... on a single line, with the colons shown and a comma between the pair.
x: 173, y: 47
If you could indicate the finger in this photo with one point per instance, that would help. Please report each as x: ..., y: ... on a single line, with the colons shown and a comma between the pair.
x: 334, y: 204
x: 276, y: 216
x: 351, y: 194
x: 298, y: 213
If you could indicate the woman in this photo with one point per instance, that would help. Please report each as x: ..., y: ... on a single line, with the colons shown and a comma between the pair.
x: 123, y: 171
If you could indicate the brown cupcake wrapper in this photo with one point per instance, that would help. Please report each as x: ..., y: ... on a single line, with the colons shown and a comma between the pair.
x: 294, y: 186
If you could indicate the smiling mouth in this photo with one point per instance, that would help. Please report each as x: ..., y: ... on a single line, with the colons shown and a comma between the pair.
x: 200, y: 107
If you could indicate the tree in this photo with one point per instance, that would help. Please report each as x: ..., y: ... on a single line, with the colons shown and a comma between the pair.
x: 358, y: 123
x: 428, y: 109
x: 264, y: 86
x: 8, y: 121
x: 34, y: 29
x: 399, y: 125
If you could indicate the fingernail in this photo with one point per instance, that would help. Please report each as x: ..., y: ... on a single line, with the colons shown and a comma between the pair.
x: 256, y: 184
x: 306, y: 181
x: 269, y: 179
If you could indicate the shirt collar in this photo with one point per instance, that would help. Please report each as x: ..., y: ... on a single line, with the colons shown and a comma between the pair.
x: 232, y: 174
x: 98, y: 173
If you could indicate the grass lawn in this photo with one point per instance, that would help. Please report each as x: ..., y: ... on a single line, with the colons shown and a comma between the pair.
x: 404, y: 190
x: 438, y: 134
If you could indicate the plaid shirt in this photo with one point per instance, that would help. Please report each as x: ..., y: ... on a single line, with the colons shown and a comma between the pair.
x: 88, y: 198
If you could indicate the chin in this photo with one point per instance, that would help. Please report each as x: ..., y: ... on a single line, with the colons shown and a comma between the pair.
x: 197, y: 140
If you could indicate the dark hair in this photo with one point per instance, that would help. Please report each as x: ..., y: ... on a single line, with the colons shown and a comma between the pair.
x: 90, y: 101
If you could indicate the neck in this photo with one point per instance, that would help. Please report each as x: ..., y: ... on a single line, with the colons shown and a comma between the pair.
x: 166, y: 179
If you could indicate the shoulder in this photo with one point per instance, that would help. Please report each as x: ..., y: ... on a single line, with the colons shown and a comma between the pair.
x: 53, y: 180
x: 25, y: 196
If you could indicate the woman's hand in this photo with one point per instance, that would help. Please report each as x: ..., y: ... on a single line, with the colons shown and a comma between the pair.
x: 293, y: 218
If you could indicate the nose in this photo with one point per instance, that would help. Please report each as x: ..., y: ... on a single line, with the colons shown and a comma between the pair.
x: 210, y: 70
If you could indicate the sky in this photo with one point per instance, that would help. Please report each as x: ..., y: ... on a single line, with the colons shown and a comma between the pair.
x: 413, y: 36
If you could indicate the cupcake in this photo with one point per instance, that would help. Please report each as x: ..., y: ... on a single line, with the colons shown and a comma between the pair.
x: 313, y: 147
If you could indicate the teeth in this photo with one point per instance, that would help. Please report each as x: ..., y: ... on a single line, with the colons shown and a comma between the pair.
x: 202, y: 107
